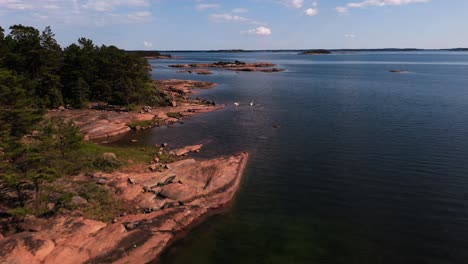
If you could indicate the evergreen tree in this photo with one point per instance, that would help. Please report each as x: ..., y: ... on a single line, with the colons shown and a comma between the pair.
x: 25, y: 47
x: 50, y: 90
x: 18, y: 110
x: 2, y: 46
x: 80, y: 91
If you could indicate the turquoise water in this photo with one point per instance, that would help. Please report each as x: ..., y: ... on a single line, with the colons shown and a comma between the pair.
x: 367, y: 166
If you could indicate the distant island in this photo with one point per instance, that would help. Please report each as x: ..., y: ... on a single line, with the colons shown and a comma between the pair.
x: 149, y: 54
x: 237, y: 66
x: 315, y: 52
x: 306, y: 50
x: 231, y: 51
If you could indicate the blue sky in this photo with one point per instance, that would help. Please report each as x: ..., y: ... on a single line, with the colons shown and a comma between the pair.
x: 247, y: 24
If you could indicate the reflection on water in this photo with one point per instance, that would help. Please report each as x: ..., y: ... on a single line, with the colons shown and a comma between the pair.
x: 366, y: 166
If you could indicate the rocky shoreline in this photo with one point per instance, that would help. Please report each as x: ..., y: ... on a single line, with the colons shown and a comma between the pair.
x: 167, y: 204
x: 162, y: 200
x: 102, y: 124
x: 237, y: 66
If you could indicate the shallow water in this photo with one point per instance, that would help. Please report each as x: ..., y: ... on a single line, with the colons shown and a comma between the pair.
x: 367, y: 166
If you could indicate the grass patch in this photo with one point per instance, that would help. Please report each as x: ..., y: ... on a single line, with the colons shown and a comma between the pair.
x: 146, y: 123
x: 102, y: 204
x: 141, y: 123
x: 177, y: 115
x: 136, y: 154
x: 20, y: 211
x: 164, y: 156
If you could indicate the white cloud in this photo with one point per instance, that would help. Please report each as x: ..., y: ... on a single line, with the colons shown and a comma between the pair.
x: 232, y: 18
x: 108, y: 5
x: 341, y: 9
x: 52, y: 6
x: 147, y: 44
x: 367, y: 3
x: 240, y: 10
x: 350, y: 36
x: 140, y: 16
x: 293, y: 3
x: 385, y: 2
x: 311, y: 11
x: 42, y: 17
x: 76, y: 7
x: 203, y: 7
x: 259, y: 31
x: 79, y: 12
x: 16, y: 4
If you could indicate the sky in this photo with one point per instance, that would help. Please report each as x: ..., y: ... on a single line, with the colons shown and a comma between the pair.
x: 247, y: 24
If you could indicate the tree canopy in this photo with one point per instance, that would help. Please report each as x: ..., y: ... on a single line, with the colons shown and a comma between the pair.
x: 37, y: 74
x: 74, y: 75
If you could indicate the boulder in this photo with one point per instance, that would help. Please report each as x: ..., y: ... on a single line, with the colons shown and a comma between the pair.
x: 50, y: 206
x: 147, y: 109
x: 101, y: 181
x: 147, y: 201
x: 78, y: 201
x: 167, y: 180
x: 154, y: 167
x: 109, y: 155
x: 132, y: 225
x: 131, y: 181
x: 108, y: 159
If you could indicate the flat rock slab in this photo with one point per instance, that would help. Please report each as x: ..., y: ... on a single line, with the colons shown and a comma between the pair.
x: 186, y: 150
x: 180, y: 192
x: 138, y: 237
x: 97, y: 124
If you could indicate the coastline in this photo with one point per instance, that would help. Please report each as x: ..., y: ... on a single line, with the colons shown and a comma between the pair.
x: 163, y: 205
x: 214, y: 211
x: 103, y: 124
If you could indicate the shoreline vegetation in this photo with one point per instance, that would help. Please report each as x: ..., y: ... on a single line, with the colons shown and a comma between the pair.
x: 315, y: 52
x: 150, y: 54
x: 64, y: 197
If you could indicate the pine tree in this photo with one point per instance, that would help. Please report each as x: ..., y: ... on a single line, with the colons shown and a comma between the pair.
x: 80, y: 91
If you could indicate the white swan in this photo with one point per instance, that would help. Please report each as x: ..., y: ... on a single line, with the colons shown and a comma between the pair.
x: 251, y: 103
x: 236, y: 103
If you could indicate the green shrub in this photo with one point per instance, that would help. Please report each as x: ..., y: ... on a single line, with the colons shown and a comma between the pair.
x: 141, y: 123
x: 102, y: 204
x: 107, y: 162
x: 177, y: 115
x: 20, y: 211
x: 164, y: 156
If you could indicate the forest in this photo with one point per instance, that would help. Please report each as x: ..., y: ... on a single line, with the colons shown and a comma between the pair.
x: 36, y: 75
